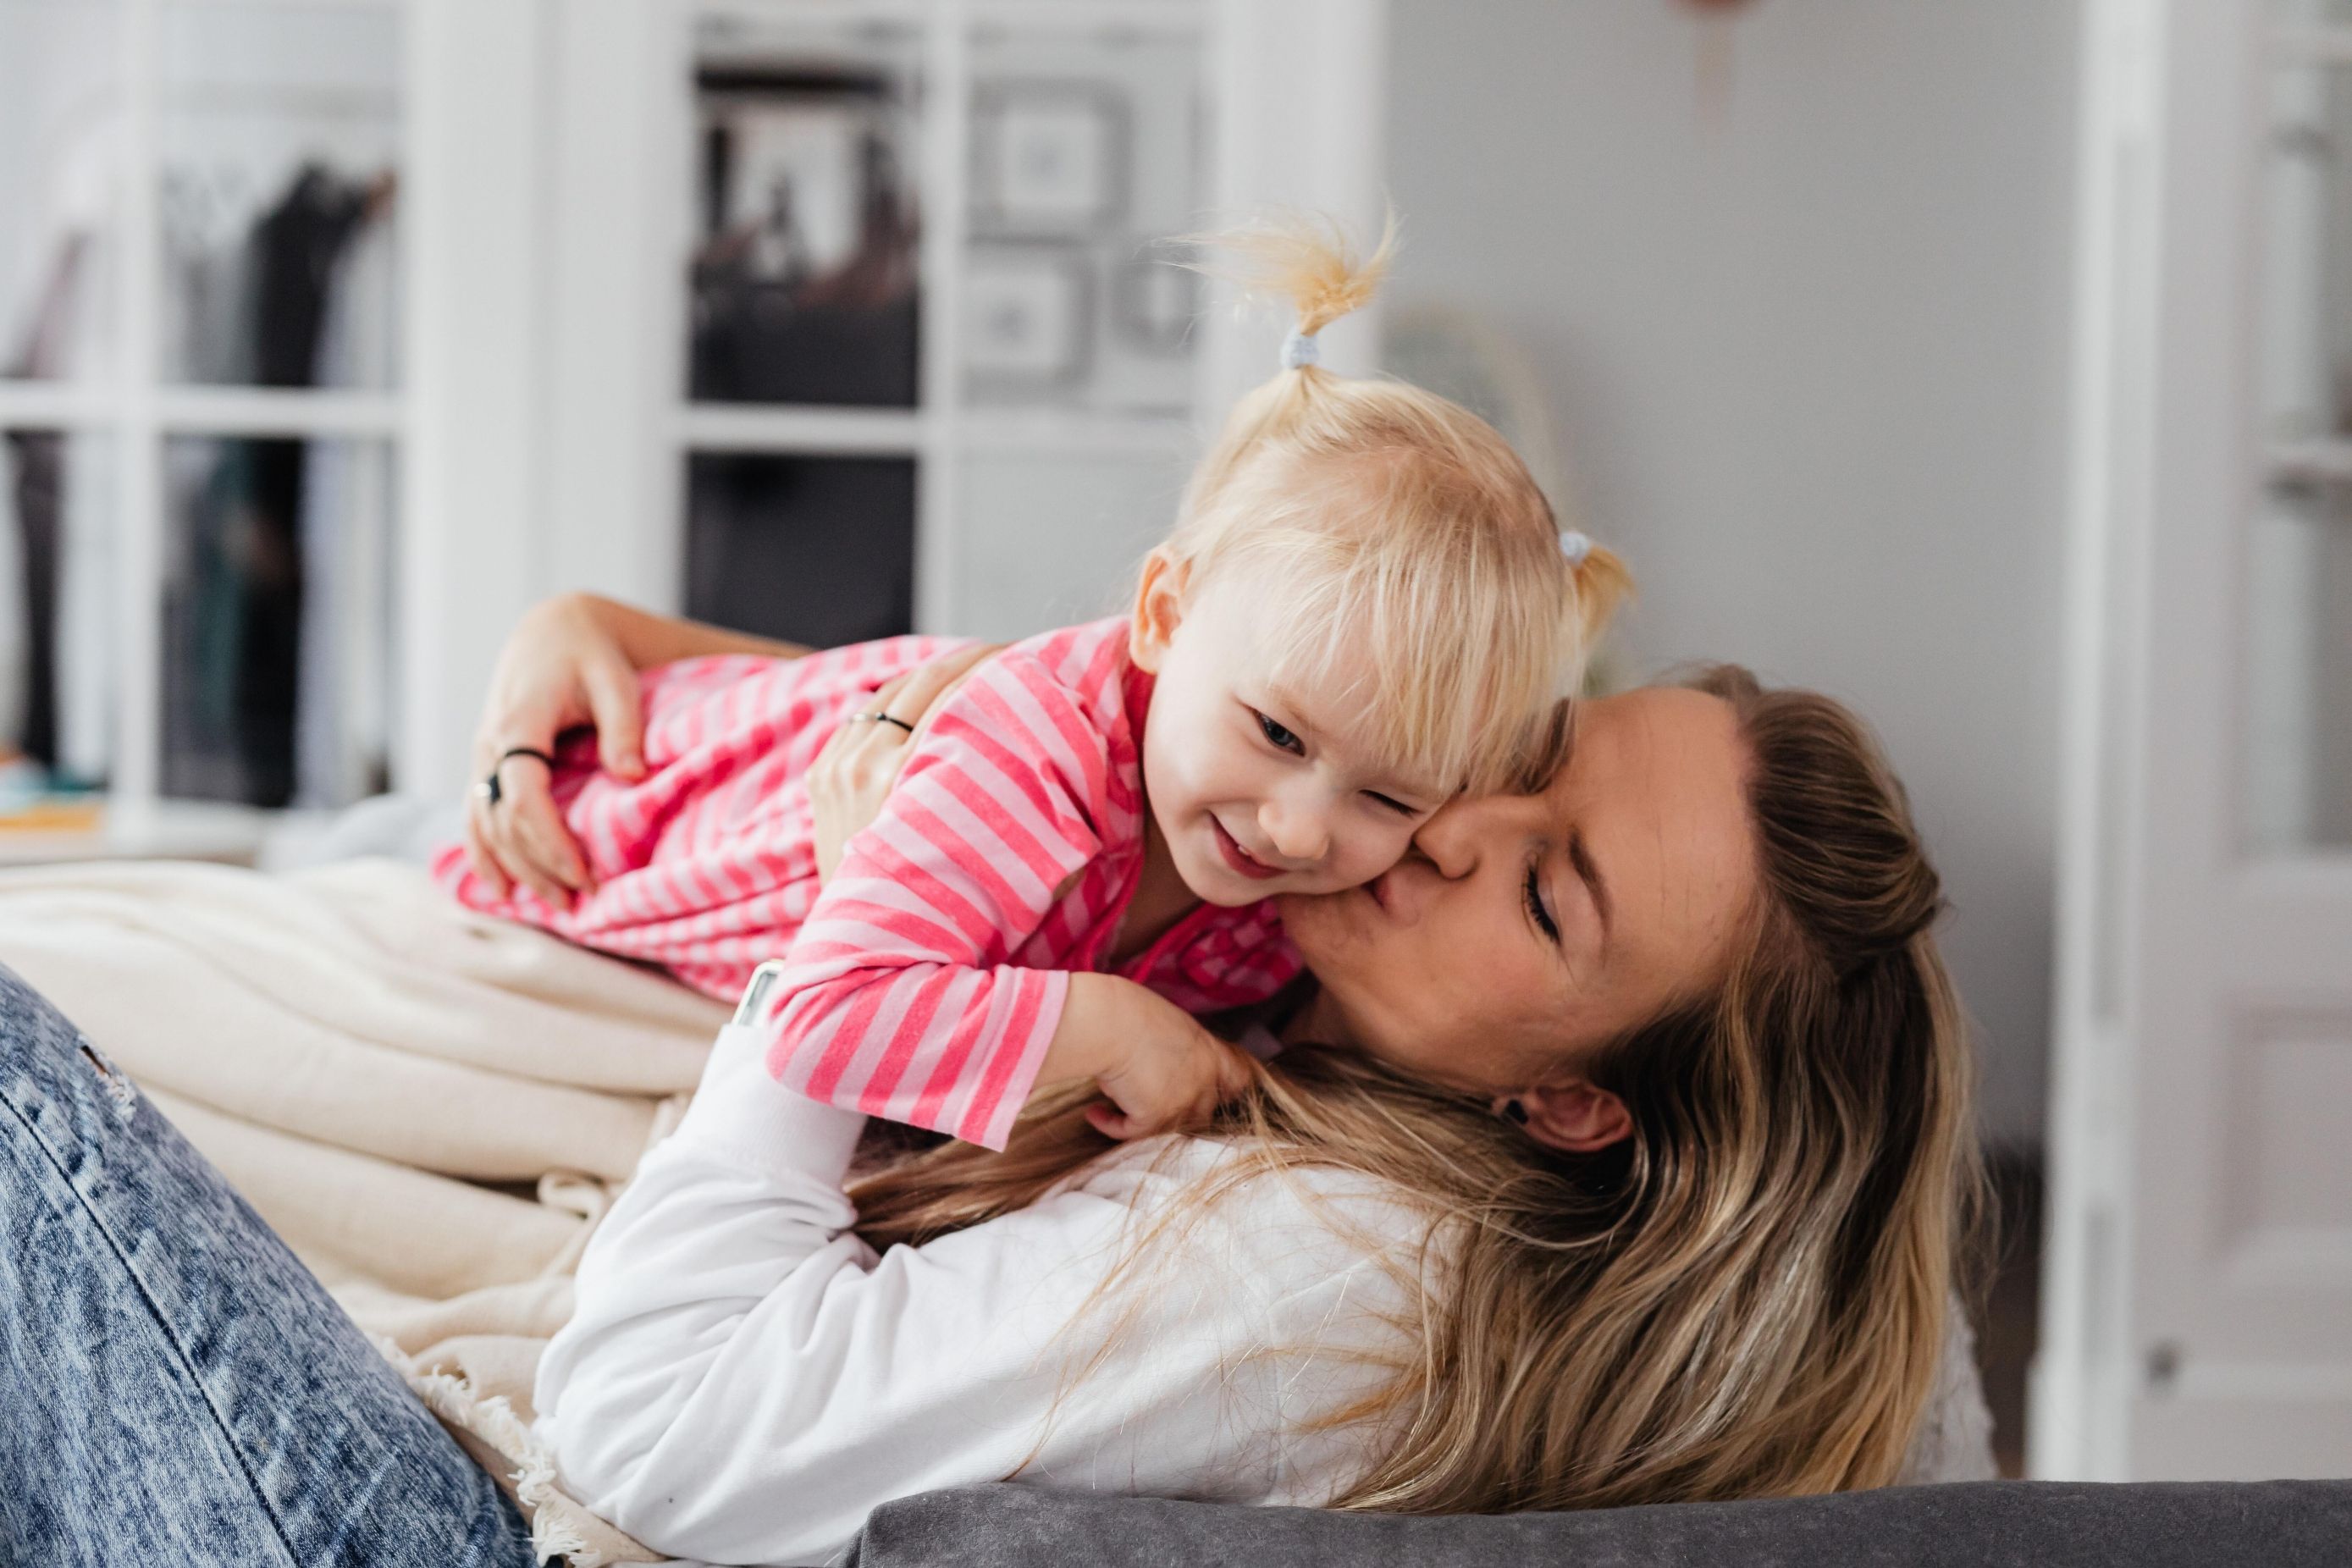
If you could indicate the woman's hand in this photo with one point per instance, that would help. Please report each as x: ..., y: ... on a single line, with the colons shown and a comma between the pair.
x: 570, y: 660
x: 852, y: 776
x: 562, y: 665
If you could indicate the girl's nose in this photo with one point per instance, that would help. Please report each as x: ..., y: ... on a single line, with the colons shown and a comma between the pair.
x: 1299, y: 830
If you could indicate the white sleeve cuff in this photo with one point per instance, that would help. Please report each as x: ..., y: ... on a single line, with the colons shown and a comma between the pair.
x: 742, y: 1117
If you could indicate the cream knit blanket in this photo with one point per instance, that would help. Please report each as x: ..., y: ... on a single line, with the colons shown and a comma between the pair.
x: 433, y: 1108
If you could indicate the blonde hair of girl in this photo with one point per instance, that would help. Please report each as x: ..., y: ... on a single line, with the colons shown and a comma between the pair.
x: 1387, y: 530
x: 1747, y: 1299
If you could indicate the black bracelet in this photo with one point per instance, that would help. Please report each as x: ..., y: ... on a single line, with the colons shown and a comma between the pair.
x: 523, y: 751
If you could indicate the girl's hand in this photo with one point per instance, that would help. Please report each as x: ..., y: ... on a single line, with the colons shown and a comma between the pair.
x: 1175, y: 1079
x: 852, y: 774
x: 1154, y: 1063
x: 562, y: 665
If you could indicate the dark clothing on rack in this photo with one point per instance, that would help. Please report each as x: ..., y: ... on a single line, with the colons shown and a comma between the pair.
x: 238, y: 627
x: 39, y: 463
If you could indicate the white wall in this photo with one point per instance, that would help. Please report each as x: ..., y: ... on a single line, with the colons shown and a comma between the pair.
x: 1808, y: 359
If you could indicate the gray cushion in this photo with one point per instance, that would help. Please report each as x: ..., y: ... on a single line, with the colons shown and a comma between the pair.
x: 2047, y: 1524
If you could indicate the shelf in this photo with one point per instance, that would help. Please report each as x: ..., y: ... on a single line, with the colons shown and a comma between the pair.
x: 2309, y: 462
x: 262, y: 411
x: 1095, y: 16
x: 1041, y: 430
x: 892, y: 432
x: 166, y: 830
x: 841, y: 432
x: 2310, y: 45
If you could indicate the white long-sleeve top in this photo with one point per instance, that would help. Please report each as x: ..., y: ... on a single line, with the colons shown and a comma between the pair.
x: 743, y: 1379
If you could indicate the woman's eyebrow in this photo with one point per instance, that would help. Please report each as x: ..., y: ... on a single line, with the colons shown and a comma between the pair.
x: 1589, y: 874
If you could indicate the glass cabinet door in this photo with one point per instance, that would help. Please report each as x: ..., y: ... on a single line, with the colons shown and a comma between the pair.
x: 61, y: 99
x: 2298, y: 793
x: 279, y: 130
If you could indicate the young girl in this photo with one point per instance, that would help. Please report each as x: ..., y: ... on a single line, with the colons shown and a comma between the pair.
x: 1365, y: 607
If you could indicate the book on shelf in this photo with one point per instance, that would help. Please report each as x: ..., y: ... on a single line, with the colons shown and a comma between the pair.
x: 31, y: 802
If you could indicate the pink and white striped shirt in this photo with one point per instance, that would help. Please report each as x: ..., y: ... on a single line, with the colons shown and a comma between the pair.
x: 927, y: 977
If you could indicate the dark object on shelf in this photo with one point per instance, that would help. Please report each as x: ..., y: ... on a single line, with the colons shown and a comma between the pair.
x: 789, y: 304
x: 814, y: 550
x: 755, y: 343
x: 233, y: 615
x: 39, y: 467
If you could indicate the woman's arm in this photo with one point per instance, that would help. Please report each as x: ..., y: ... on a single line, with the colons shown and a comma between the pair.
x: 743, y: 1379
x: 647, y: 640
x: 570, y: 660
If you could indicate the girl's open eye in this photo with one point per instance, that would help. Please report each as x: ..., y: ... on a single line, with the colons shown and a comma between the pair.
x: 1542, y: 917
x: 1279, y: 738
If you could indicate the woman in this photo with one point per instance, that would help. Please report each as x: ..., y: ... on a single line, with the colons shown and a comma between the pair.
x: 1685, y: 1138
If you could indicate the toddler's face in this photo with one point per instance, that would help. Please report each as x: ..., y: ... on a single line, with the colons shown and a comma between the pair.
x: 1257, y: 789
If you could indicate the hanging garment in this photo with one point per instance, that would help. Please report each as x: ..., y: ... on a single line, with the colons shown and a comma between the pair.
x: 38, y: 474
x: 240, y: 615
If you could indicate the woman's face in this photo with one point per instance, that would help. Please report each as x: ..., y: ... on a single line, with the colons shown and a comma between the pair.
x: 1526, y: 931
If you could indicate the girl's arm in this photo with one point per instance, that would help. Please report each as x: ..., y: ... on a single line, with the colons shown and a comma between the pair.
x: 570, y: 660
x: 1156, y: 1064
x: 743, y: 1379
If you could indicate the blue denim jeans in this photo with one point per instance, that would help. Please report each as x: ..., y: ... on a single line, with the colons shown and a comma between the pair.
x: 174, y: 1387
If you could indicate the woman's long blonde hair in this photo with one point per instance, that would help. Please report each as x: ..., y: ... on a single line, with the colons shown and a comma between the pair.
x: 1748, y: 1297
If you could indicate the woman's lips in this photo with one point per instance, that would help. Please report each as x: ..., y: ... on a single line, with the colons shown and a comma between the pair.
x: 1239, y: 859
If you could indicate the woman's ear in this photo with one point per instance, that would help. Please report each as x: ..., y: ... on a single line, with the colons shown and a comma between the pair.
x: 1158, y: 607
x: 1575, y: 1117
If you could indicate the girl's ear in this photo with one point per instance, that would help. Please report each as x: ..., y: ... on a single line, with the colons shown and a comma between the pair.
x: 1158, y: 607
x: 1575, y: 1117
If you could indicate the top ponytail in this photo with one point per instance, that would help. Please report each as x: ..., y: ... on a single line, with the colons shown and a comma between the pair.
x: 1305, y: 262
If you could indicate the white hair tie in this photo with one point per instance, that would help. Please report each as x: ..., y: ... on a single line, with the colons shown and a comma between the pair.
x: 1575, y: 546
x: 1299, y: 350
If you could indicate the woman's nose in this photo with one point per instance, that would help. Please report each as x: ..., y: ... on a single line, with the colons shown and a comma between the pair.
x: 1463, y: 831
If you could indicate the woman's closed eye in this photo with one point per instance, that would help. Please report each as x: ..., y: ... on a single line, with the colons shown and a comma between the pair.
x: 1536, y: 910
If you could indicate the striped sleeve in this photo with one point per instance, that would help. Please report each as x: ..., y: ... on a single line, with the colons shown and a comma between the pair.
x: 899, y: 1001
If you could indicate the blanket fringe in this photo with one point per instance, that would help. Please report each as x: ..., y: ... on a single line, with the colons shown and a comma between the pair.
x: 491, y: 1422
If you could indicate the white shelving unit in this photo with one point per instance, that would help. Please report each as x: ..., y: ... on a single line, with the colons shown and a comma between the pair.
x: 183, y: 79
x: 538, y: 432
